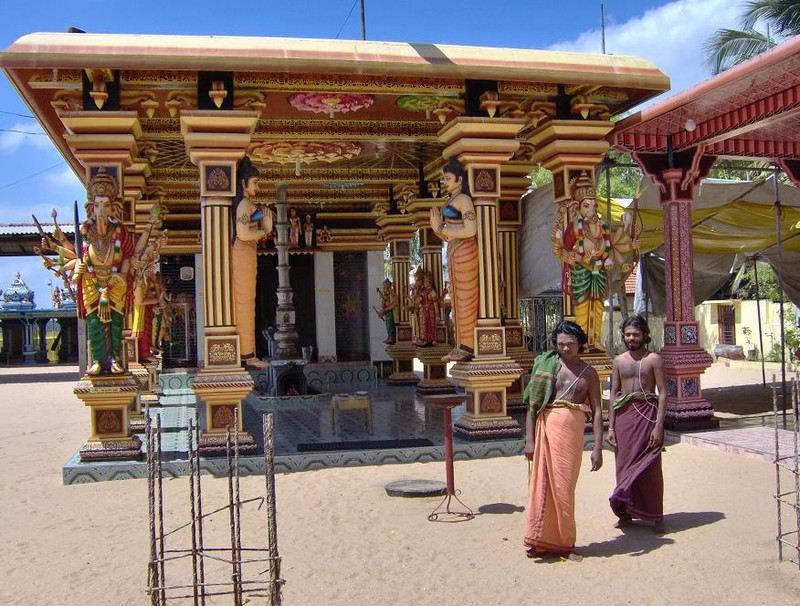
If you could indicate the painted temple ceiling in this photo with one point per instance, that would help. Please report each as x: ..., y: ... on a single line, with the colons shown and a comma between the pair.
x: 343, y: 123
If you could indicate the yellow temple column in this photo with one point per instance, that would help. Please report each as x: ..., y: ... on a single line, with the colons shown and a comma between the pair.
x: 107, y: 140
x: 568, y: 148
x: 482, y: 146
x: 435, y: 379
x: 396, y: 230
x: 514, y: 183
x: 215, y: 141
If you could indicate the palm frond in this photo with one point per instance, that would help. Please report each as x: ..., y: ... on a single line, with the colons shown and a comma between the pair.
x: 729, y: 47
x: 783, y: 16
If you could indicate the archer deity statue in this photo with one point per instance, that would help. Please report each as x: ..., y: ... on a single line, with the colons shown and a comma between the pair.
x: 456, y: 223
x: 582, y: 240
x: 388, y: 308
x: 253, y: 222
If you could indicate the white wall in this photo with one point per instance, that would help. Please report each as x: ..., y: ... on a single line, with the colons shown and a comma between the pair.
x: 377, y: 327
x: 199, y: 307
x: 325, y: 312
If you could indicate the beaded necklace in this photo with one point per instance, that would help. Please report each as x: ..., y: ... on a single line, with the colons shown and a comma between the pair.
x: 604, y: 260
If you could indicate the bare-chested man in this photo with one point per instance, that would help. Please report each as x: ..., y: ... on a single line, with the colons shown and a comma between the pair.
x: 636, y: 428
x: 562, y: 392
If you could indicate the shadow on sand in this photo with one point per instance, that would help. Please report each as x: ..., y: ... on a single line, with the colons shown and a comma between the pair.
x: 638, y: 538
x: 40, y: 377
x: 499, y: 509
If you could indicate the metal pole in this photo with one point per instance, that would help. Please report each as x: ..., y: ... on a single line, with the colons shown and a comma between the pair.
x: 199, y: 514
x: 363, y: 23
x: 760, y: 330
x: 778, y: 213
x: 603, y: 27
x: 160, y: 480
x: 232, y: 521
x: 191, y: 458
x: 272, y: 524
x: 610, y: 340
x: 777, y: 469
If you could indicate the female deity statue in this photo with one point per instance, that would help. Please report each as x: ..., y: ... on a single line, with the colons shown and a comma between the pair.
x: 145, y: 295
x: 457, y: 225
x: 308, y: 232
x: 388, y: 307
x: 294, y: 228
x: 430, y: 309
x: 415, y: 308
x: 253, y: 223
x: 101, y: 276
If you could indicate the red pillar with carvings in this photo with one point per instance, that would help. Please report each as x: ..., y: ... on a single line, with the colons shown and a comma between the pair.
x: 676, y: 176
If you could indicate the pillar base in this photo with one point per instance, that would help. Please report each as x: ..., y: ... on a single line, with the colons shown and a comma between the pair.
x: 110, y: 399
x: 402, y: 355
x: 684, y: 364
x: 479, y: 429
x: 222, y: 393
x: 485, y: 380
x: 216, y: 444
x: 525, y: 359
x: 435, y: 381
x: 112, y: 449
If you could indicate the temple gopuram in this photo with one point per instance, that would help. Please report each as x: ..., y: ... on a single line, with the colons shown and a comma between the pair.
x: 349, y: 139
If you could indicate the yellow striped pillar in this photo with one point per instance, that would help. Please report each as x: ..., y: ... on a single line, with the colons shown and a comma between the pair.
x: 435, y: 371
x: 482, y: 146
x: 215, y: 142
x: 514, y: 184
x: 402, y: 351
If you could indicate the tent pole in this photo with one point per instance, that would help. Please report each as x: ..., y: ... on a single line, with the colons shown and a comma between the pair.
x: 610, y: 340
x: 760, y: 330
x: 778, y: 214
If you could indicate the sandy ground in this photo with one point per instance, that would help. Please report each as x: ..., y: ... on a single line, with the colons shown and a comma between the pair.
x: 343, y: 541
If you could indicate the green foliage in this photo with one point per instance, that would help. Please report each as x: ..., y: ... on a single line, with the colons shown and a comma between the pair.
x: 624, y: 181
x: 791, y: 335
x: 729, y: 47
x: 745, y: 284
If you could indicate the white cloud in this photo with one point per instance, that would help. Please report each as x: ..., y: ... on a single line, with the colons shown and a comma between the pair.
x: 19, y: 135
x: 671, y: 37
x: 65, y: 178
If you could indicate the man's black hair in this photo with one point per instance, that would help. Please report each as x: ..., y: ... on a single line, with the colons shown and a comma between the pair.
x: 565, y: 327
x: 637, y: 322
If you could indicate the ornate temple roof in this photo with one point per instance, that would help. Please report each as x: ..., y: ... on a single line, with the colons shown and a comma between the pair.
x: 17, y: 297
x: 343, y: 123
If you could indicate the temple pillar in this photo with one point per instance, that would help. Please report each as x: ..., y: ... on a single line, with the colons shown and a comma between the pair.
x: 286, y: 334
x: 482, y: 146
x: 215, y: 141
x: 108, y: 140
x: 568, y: 148
x: 398, y: 232
x: 676, y: 174
x: 514, y: 184
x: 28, y: 330
x: 435, y: 371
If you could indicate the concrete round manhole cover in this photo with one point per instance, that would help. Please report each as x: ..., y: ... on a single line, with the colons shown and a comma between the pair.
x: 416, y: 488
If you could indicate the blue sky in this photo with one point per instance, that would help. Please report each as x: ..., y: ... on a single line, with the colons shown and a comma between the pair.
x: 34, y: 178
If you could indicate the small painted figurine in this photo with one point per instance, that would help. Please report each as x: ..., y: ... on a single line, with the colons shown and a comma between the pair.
x: 388, y: 307
x: 324, y: 235
x: 308, y: 232
x: 294, y: 228
x: 430, y: 309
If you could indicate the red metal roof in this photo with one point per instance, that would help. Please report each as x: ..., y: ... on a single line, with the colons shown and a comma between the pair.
x: 751, y: 110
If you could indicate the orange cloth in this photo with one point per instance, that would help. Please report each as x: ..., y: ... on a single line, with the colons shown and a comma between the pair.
x: 462, y: 267
x: 557, y: 453
x: 244, y: 269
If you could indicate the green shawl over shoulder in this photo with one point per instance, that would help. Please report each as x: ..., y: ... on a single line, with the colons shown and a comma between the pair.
x: 539, y: 391
x: 634, y: 395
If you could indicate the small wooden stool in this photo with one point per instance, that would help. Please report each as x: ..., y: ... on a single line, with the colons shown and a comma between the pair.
x: 352, y: 401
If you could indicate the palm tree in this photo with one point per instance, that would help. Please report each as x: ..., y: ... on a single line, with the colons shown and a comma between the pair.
x: 729, y: 47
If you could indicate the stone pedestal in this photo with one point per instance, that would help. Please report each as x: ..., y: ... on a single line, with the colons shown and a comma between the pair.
x: 222, y: 396
x: 110, y: 399
x: 402, y: 354
x: 485, y: 379
x: 524, y: 358
x: 435, y: 380
x: 684, y: 363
